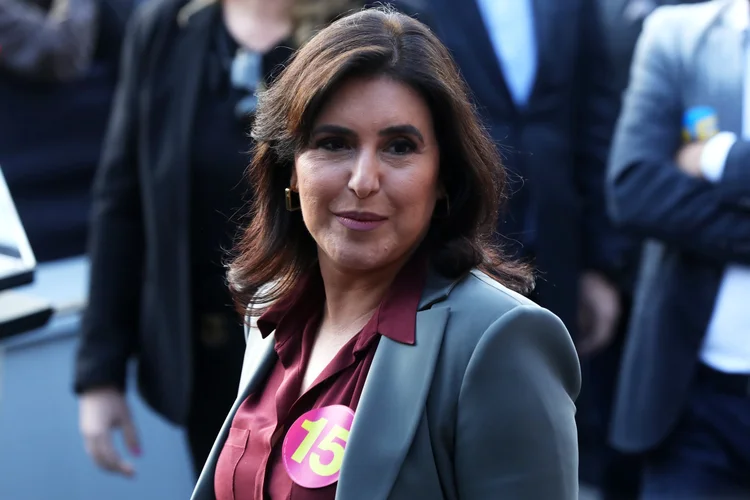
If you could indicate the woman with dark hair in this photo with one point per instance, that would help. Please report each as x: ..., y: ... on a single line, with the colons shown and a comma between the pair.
x: 389, y: 353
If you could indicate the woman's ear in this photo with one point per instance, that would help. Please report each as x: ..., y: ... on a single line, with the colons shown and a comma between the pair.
x: 293, y: 181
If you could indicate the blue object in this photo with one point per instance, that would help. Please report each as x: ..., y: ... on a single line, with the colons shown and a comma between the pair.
x: 700, y: 123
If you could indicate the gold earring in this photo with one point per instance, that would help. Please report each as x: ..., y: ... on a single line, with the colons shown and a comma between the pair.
x: 290, y: 203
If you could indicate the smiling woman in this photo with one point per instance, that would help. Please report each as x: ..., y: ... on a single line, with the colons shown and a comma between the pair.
x: 392, y: 357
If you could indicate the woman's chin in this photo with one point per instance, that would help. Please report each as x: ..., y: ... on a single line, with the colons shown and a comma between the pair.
x: 357, y: 259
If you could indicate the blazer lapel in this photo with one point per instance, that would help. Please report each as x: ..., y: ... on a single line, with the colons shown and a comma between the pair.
x: 259, y: 359
x: 392, y: 403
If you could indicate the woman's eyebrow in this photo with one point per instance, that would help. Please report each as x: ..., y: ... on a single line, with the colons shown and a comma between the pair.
x: 333, y: 129
x: 403, y: 129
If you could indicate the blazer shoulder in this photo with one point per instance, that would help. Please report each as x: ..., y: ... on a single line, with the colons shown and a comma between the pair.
x: 478, y: 301
x: 683, y: 22
x: 690, y: 12
x: 484, y: 315
x: 487, y: 280
x: 480, y: 287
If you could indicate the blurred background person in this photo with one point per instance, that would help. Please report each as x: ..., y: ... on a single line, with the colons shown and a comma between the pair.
x: 680, y: 176
x: 166, y: 197
x: 58, y: 71
x: 617, y: 475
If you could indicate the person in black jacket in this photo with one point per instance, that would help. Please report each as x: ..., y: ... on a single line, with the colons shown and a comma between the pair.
x: 168, y: 199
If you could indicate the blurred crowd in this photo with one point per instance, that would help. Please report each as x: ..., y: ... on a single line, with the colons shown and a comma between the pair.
x: 624, y: 125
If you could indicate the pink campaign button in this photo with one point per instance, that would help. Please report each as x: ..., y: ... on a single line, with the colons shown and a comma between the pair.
x: 313, y: 449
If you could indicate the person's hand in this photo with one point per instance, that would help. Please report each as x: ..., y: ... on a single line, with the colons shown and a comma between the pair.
x: 101, y: 411
x: 689, y: 158
x: 599, y: 311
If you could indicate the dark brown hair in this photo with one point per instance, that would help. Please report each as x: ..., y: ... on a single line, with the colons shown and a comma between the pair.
x: 276, y: 248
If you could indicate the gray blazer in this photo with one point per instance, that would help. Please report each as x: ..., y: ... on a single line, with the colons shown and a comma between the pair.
x: 688, y: 55
x: 480, y: 407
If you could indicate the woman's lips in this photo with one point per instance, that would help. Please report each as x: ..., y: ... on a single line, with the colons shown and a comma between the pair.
x: 360, y: 221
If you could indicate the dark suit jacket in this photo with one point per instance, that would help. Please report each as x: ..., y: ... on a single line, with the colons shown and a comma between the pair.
x: 480, y: 407
x: 695, y: 227
x: 559, y: 142
x: 139, y: 298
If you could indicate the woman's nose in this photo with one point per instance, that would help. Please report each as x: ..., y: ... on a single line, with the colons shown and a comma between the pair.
x: 365, y: 176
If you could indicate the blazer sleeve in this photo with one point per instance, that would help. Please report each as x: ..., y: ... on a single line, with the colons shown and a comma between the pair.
x: 110, y: 324
x: 648, y: 194
x: 516, y: 432
x: 57, y: 45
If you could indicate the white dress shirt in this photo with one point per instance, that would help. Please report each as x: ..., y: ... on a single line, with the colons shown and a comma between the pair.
x: 726, y: 346
x: 510, y: 25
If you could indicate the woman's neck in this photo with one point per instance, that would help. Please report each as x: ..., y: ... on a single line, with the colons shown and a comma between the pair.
x: 352, y: 297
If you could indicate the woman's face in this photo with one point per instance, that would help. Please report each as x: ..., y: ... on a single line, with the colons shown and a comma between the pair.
x: 368, y: 179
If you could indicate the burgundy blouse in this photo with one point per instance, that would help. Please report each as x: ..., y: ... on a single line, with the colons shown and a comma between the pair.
x: 250, y: 465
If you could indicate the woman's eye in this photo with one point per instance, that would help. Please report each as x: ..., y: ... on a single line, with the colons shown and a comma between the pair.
x: 332, y: 144
x: 401, y: 147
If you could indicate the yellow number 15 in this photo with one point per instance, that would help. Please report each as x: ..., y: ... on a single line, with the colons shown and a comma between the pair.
x: 314, y: 429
